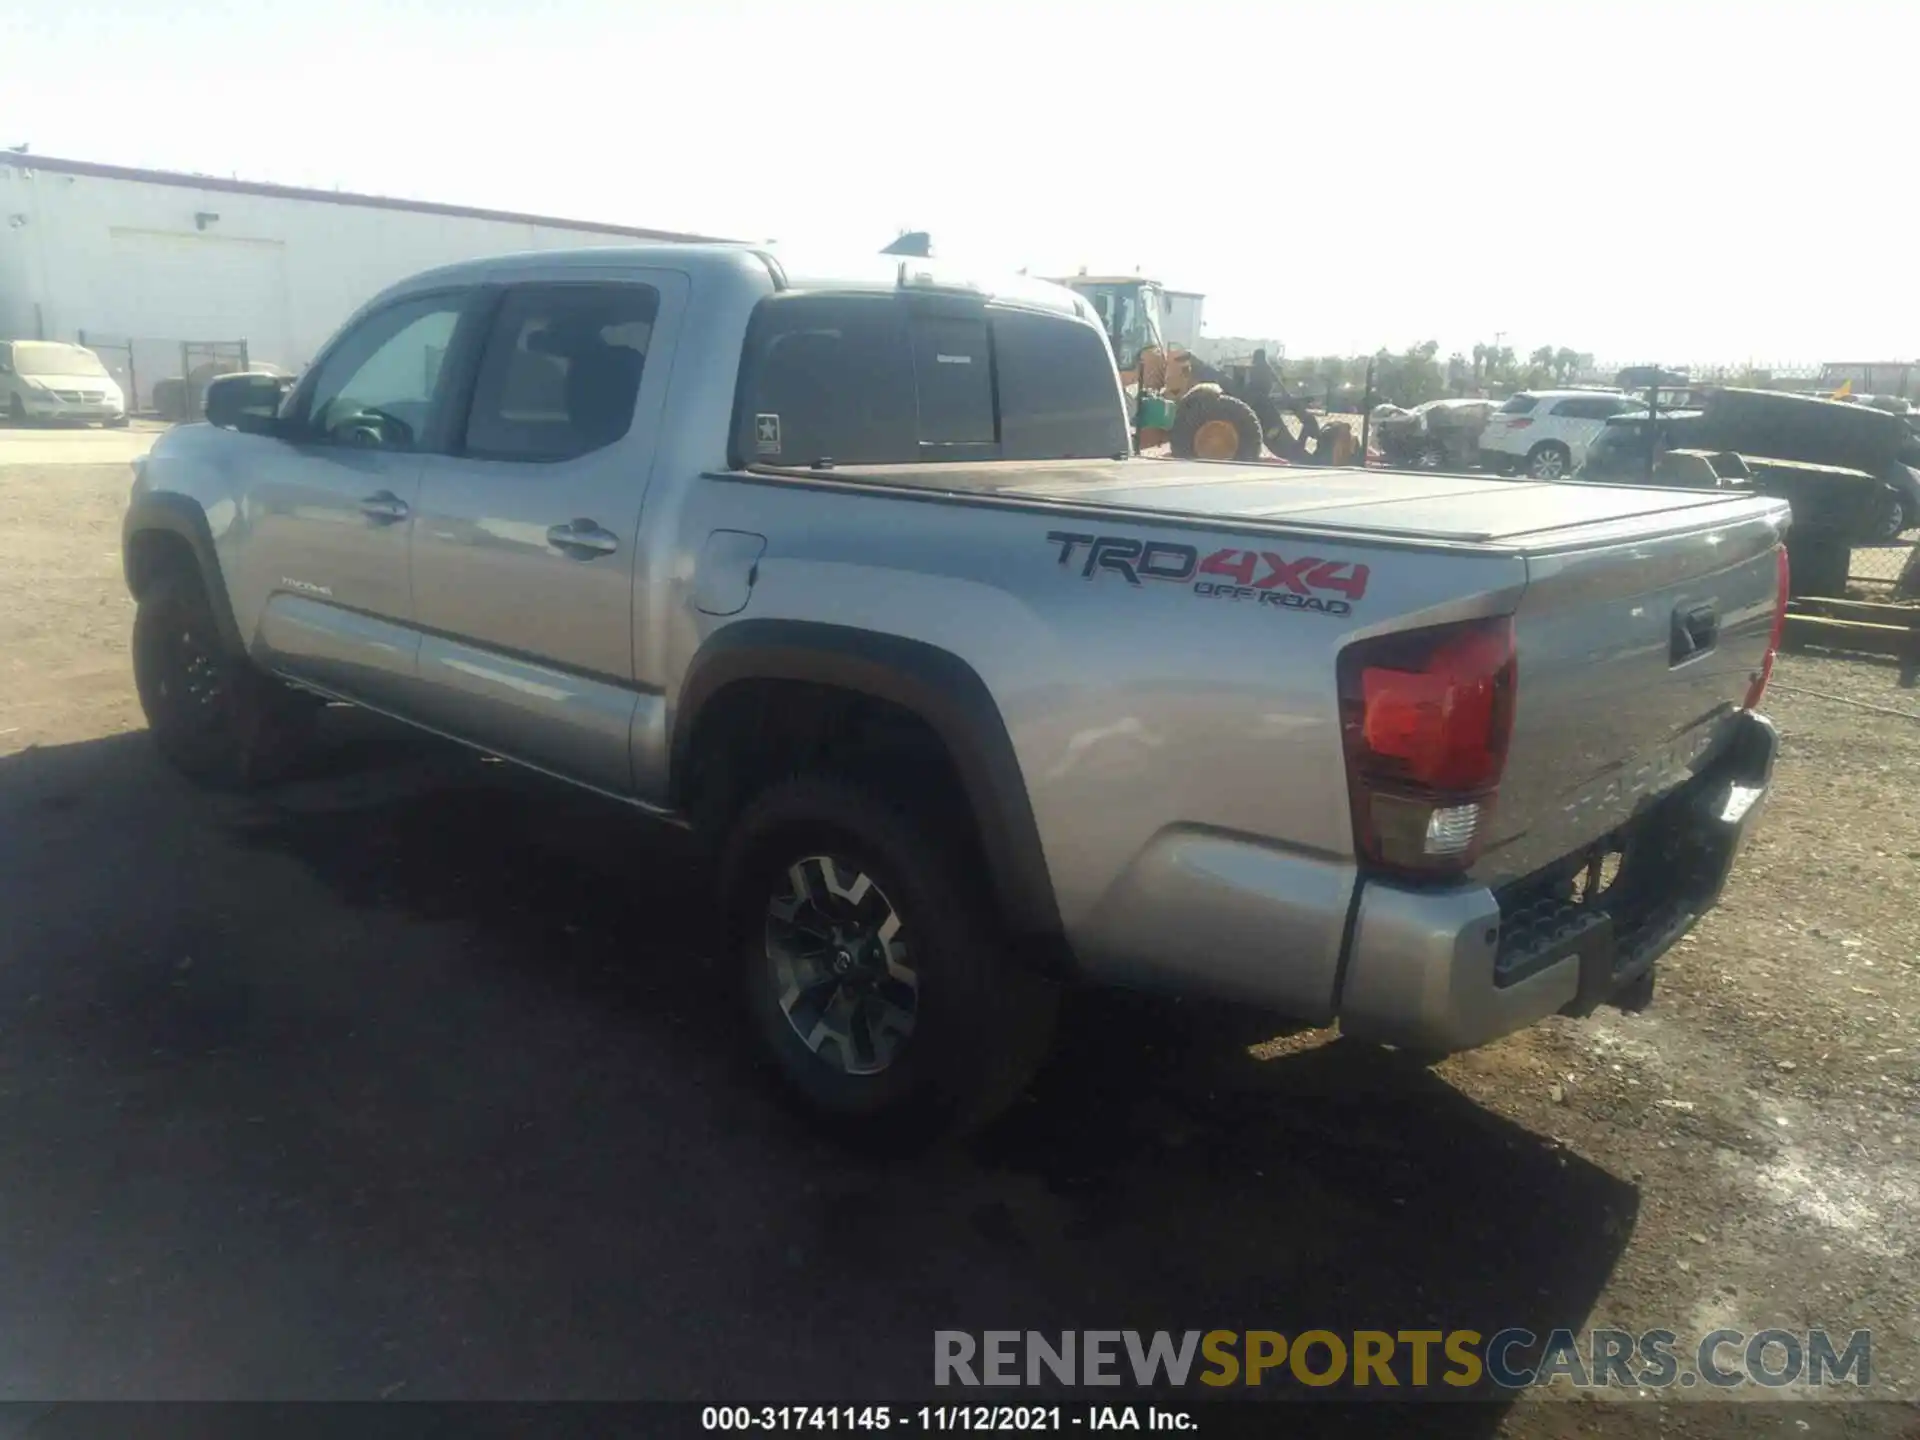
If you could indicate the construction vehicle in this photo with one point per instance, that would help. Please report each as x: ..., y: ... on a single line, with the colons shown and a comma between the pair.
x: 1201, y: 411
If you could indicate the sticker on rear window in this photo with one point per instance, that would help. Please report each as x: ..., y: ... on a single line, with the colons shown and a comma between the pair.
x: 766, y: 434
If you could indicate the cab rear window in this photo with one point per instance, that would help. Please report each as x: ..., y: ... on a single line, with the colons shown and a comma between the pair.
x: 888, y: 380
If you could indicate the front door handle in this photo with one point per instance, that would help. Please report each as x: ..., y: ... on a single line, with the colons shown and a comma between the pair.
x: 583, y: 539
x: 384, y: 508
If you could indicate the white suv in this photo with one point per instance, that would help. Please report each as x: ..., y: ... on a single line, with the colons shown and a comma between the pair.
x: 1546, y: 432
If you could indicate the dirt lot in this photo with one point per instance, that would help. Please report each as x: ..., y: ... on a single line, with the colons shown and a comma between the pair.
x: 410, y: 1079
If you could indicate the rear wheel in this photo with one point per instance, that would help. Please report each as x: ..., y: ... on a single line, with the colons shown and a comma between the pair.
x: 1211, y: 426
x: 1549, y: 460
x: 878, y: 984
x: 215, y: 717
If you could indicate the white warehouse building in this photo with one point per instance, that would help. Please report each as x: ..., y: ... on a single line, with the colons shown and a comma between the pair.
x: 139, y: 263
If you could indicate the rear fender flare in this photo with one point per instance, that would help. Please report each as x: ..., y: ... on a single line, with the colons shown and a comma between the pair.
x: 933, y: 684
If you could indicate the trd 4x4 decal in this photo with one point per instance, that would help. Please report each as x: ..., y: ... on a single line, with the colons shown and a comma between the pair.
x: 1305, y: 582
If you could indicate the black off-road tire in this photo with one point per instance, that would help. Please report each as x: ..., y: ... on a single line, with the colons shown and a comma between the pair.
x: 982, y: 1022
x: 1205, y: 404
x: 215, y: 718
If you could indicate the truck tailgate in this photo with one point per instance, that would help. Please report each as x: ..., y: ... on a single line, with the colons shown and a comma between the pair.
x: 1633, y: 656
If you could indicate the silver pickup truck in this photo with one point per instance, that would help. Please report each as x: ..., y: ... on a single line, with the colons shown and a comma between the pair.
x: 853, y: 575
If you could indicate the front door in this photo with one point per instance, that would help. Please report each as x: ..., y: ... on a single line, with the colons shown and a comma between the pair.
x: 526, y: 534
x: 330, y: 506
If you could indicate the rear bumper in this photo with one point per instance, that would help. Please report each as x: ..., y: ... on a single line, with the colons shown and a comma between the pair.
x: 1449, y: 970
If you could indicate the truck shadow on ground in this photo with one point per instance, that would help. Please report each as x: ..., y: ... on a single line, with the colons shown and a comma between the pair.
x: 414, y: 1071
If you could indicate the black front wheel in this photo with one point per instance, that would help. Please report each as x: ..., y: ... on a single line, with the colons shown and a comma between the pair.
x: 215, y: 717
x: 878, y: 984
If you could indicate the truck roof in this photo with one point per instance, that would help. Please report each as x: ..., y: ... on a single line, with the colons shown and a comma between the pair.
x: 790, y: 269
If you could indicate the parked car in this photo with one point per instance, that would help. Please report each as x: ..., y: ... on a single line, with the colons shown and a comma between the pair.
x: 1834, y: 508
x: 1546, y: 432
x: 51, y: 380
x: 964, y: 706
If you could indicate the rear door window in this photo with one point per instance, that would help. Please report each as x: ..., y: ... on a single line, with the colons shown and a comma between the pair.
x: 561, y: 370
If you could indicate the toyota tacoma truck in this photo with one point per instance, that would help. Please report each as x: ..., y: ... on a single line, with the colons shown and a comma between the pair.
x: 851, y: 574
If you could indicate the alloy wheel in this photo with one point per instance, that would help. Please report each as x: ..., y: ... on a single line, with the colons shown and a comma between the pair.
x: 840, y: 959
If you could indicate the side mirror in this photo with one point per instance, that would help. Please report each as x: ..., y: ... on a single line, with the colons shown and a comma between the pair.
x: 246, y: 401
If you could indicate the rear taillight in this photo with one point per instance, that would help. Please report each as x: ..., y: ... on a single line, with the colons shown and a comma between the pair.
x: 1426, y: 716
x: 1783, y: 573
x: 1518, y: 424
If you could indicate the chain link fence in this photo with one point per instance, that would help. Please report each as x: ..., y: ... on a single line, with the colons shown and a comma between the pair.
x: 165, y: 378
x: 1887, y: 571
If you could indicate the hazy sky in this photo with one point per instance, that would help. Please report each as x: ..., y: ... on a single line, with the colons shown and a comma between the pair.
x: 1681, y: 182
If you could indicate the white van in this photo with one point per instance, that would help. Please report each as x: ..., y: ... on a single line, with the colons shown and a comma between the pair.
x: 49, y: 380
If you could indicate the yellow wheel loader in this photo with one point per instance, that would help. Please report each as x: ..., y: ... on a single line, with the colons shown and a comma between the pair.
x: 1201, y: 411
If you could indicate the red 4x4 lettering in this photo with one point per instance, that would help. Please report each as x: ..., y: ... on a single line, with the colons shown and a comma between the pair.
x: 1342, y: 576
x: 1290, y: 573
x: 1301, y: 576
x: 1235, y: 565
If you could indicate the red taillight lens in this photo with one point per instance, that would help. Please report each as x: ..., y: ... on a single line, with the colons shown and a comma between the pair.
x: 1518, y: 424
x: 1426, y: 716
x: 1757, y: 690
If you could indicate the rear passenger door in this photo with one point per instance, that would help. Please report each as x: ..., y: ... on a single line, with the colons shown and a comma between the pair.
x: 525, y: 536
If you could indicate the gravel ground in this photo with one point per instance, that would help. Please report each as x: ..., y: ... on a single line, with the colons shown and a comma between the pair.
x: 358, y: 1090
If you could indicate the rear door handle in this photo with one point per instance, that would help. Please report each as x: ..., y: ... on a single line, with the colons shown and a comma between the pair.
x: 384, y: 508
x: 583, y: 539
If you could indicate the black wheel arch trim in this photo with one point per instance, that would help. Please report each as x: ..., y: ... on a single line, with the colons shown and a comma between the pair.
x: 933, y: 684
x: 178, y: 515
